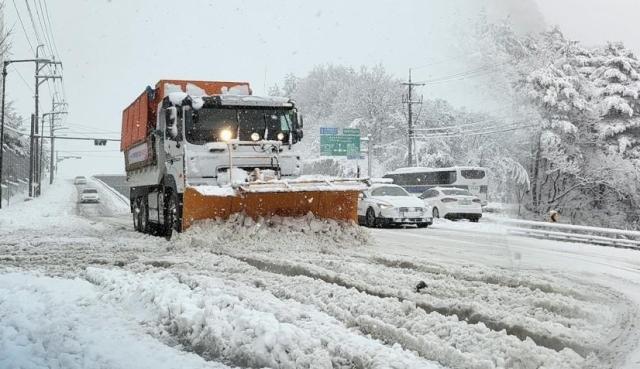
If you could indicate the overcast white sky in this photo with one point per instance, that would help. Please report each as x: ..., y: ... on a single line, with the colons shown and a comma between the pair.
x: 112, y: 49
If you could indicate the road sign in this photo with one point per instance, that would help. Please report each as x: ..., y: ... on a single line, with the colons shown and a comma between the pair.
x: 334, y: 144
x: 328, y: 130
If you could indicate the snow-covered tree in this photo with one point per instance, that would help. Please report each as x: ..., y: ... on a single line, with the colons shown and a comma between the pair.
x: 616, y: 76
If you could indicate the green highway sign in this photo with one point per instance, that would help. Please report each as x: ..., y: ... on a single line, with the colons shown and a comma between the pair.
x: 332, y: 143
x: 351, y: 131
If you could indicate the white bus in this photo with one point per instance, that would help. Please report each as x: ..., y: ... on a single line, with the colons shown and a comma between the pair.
x: 419, y: 179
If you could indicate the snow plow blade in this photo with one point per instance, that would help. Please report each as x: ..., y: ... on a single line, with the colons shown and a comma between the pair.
x: 336, y: 199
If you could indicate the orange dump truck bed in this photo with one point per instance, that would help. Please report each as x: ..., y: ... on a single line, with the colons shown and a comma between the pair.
x: 139, y: 118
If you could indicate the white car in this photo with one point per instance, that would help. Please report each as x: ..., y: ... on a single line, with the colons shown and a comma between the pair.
x: 452, y: 203
x: 80, y: 180
x: 389, y: 204
x: 89, y: 195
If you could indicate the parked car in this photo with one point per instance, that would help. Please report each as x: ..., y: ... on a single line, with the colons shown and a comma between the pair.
x: 89, y: 195
x: 389, y: 204
x: 452, y: 203
x: 80, y: 180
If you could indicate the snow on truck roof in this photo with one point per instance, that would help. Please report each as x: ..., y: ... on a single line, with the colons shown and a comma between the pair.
x: 178, y: 97
x: 427, y: 169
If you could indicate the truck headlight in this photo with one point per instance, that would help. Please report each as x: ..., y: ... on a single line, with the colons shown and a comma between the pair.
x: 255, y: 136
x: 225, y: 134
x: 280, y: 136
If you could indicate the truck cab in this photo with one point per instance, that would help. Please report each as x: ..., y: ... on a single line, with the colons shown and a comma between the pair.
x: 204, y: 136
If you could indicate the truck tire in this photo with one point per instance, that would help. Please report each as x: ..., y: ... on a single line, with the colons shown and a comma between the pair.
x: 136, y: 215
x: 173, y: 220
x: 144, y: 217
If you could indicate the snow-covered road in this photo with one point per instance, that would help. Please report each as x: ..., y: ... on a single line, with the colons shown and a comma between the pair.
x: 303, y: 294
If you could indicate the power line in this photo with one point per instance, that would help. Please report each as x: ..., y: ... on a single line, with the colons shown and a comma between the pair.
x: 487, y: 120
x: 43, y: 25
x: 486, y: 131
x: 43, y: 29
x: 442, y: 61
x: 476, y: 72
x: 23, y: 79
x: 55, y: 46
x: 33, y: 23
x: 23, y: 27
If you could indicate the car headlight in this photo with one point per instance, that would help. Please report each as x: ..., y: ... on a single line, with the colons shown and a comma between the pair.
x: 385, y: 206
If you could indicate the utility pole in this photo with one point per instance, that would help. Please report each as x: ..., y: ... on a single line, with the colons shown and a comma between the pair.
x: 410, y: 103
x: 4, y: 84
x: 52, y: 129
x: 34, y: 170
x: 51, y: 115
x: 34, y: 127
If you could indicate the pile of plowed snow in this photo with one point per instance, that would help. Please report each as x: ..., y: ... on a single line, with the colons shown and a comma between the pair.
x: 274, y: 234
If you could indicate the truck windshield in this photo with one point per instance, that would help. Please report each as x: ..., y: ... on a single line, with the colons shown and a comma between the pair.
x: 206, y: 125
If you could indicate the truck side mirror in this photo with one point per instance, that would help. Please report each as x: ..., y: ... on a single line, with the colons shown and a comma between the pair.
x: 300, y: 121
x: 297, y: 128
x: 171, y: 121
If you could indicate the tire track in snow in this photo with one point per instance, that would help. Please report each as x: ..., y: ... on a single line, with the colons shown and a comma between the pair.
x: 243, y: 326
x: 488, y: 278
x: 467, y: 314
x: 447, y: 340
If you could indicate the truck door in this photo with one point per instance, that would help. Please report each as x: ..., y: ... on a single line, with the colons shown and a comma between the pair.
x: 174, y: 144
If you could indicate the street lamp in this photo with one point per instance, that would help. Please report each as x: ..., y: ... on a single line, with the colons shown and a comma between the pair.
x: 2, y: 112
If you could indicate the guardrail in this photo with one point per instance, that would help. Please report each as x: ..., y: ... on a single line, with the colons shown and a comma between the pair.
x: 116, y: 193
x: 574, y: 233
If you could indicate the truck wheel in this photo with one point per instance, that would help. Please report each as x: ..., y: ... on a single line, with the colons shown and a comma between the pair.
x: 136, y: 215
x: 422, y: 225
x: 144, y: 217
x: 173, y: 222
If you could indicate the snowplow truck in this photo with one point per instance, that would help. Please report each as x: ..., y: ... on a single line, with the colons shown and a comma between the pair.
x: 198, y: 150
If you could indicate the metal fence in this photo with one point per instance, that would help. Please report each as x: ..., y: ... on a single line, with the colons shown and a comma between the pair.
x: 574, y: 233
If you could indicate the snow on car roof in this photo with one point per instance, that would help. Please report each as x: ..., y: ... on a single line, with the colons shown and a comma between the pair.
x: 378, y: 185
x: 448, y: 188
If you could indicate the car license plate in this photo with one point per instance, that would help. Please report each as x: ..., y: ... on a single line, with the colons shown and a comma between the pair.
x: 465, y: 202
x: 412, y: 214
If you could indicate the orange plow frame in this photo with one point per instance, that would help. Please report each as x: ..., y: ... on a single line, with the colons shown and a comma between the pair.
x: 341, y: 205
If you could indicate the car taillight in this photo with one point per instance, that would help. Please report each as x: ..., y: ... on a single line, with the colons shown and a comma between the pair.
x: 476, y: 200
x: 448, y: 199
